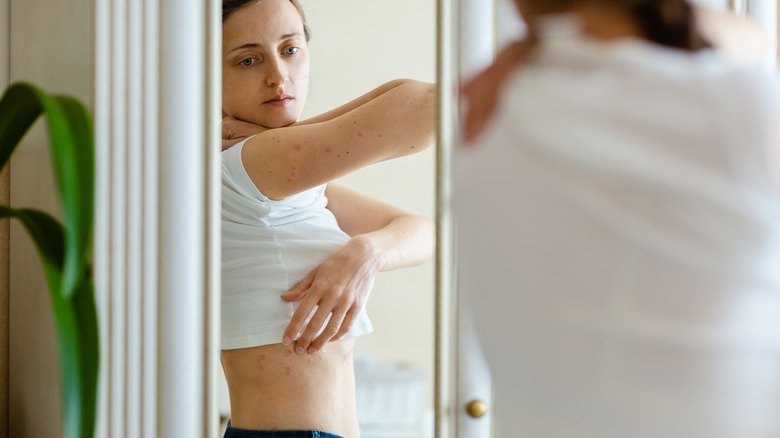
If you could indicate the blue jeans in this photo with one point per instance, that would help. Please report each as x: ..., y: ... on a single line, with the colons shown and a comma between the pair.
x: 232, y: 432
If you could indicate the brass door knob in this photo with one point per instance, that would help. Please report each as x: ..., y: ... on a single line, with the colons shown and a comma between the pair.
x: 476, y: 408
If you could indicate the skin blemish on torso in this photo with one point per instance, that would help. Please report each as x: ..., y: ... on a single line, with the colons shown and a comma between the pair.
x: 297, y: 147
x: 294, y: 172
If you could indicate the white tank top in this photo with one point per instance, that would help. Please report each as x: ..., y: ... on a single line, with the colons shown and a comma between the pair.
x: 267, y: 247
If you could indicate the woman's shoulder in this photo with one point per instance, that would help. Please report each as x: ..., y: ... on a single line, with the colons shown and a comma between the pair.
x: 235, y: 177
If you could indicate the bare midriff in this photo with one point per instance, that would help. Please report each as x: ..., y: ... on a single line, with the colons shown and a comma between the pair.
x: 273, y: 388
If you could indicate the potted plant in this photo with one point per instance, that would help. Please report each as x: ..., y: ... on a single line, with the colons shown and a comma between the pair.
x: 64, y: 248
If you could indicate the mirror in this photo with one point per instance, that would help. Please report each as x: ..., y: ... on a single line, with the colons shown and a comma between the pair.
x: 378, y: 42
x: 538, y: 383
x: 356, y: 46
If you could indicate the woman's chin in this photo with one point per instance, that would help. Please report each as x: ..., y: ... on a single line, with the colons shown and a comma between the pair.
x: 275, y: 122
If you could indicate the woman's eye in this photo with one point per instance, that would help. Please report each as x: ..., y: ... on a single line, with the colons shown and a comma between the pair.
x: 292, y: 50
x: 248, y: 62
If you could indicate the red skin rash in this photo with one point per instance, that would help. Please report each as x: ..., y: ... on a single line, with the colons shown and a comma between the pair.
x: 298, y: 147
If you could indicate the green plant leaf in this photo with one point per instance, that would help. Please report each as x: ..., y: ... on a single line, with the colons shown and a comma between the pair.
x: 46, y: 232
x: 70, y: 134
x: 19, y: 108
x: 76, y: 322
x: 64, y: 249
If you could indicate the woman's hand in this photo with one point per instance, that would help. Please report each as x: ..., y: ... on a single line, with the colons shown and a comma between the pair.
x: 338, y: 287
x: 234, y: 130
x: 482, y: 93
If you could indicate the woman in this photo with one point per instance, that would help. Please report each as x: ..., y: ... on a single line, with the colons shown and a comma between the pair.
x: 628, y: 283
x: 299, y: 256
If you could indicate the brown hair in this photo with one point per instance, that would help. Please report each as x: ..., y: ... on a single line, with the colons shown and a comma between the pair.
x: 671, y: 23
x: 230, y: 6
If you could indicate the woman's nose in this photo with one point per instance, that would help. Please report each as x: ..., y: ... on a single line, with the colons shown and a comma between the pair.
x: 277, y: 73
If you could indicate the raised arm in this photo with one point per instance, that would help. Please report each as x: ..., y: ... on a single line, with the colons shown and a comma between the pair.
x: 396, y: 122
x: 234, y: 130
x: 383, y: 238
x: 355, y: 103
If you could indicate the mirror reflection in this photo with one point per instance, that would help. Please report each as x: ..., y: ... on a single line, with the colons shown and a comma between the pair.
x: 315, y: 337
x: 627, y: 284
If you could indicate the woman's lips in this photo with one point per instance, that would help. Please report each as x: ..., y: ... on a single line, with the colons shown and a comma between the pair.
x: 280, y: 101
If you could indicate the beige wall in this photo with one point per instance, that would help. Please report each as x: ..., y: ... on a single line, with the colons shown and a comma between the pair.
x: 5, y: 33
x: 51, y: 46
x: 357, y: 45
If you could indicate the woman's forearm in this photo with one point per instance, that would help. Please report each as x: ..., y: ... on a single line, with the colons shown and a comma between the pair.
x: 234, y: 128
x: 286, y: 161
x: 406, y: 241
x: 349, y: 106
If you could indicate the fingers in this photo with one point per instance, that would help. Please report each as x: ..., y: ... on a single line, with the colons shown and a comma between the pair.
x: 233, y: 128
x: 349, y: 319
x: 226, y: 144
x: 334, y: 325
x: 312, y: 328
x: 297, y: 321
x: 227, y: 128
x: 299, y: 290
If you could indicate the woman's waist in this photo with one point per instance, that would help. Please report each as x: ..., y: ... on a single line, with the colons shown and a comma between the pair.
x: 272, y: 387
x: 278, y: 365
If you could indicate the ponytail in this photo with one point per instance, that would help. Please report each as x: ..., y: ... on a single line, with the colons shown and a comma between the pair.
x: 670, y: 23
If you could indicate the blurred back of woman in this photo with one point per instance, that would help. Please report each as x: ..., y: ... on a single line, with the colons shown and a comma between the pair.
x: 619, y: 228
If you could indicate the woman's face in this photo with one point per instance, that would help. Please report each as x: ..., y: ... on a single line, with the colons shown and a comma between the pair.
x: 265, y: 64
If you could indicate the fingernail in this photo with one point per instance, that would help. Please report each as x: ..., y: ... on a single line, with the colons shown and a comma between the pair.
x: 286, y: 340
x: 312, y: 350
x: 299, y: 350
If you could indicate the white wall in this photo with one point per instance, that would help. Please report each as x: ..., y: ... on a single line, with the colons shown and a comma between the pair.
x: 357, y: 45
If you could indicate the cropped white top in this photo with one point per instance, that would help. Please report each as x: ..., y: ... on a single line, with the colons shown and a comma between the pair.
x: 267, y: 247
